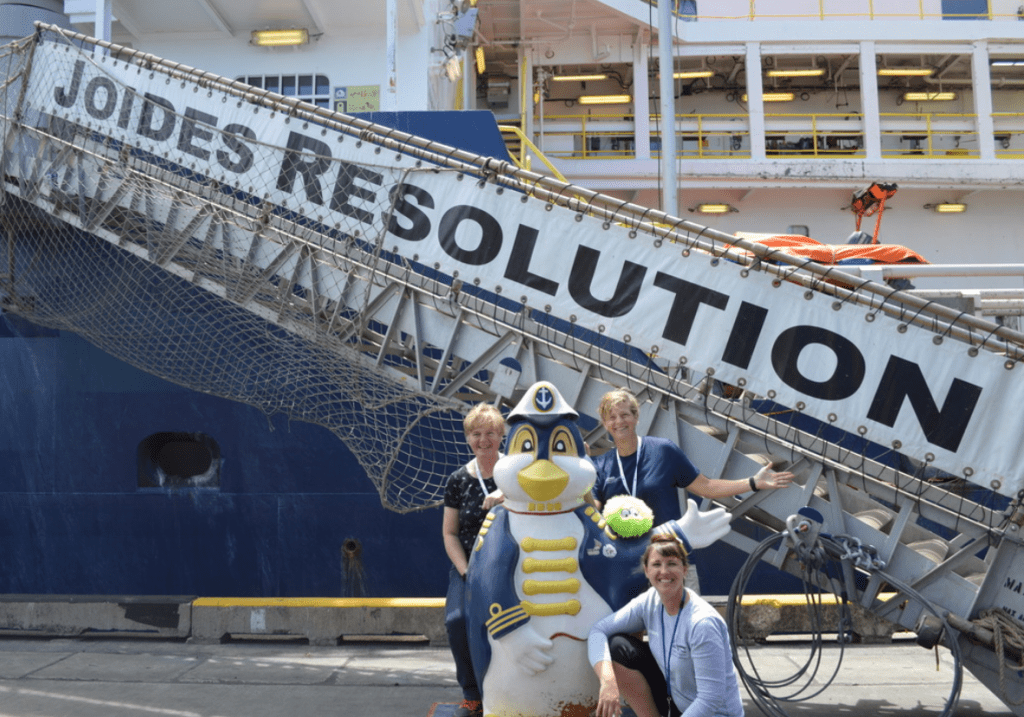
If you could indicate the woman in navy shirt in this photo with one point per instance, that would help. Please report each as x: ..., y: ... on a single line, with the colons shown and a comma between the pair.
x: 654, y: 469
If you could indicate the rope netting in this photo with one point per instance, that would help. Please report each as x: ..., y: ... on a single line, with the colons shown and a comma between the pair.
x: 218, y: 289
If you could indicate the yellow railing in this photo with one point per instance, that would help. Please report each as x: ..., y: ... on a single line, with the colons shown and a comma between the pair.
x: 835, y: 10
x: 920, y: 134
x: 820, y: 134
x: 528, y: 149
x: 715, y: 136
x: 1009, y: 134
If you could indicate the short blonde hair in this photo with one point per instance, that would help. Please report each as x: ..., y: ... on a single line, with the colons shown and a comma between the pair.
x: 483, y: 414
x: 619, y: 395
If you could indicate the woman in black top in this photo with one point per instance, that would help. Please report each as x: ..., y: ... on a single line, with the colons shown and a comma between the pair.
x: 469, y: 494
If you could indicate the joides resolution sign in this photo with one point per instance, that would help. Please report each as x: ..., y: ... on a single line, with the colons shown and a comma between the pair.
x: 860, y: 371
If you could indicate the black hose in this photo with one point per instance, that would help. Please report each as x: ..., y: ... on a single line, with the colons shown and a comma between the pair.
x: 818, y: 562
x: 760, y: 689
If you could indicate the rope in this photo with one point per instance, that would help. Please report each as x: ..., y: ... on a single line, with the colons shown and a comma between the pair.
x: 1006, y: 633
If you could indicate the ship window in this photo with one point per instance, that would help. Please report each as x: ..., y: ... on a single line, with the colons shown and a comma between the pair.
x: 315, y: 89
x: 179, y: 460
x: 965, y: 10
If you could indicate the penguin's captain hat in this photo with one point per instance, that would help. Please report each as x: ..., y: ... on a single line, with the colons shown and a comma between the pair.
x: 542, y: 404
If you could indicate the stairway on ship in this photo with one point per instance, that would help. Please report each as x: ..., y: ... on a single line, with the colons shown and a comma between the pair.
x: 319, y: 227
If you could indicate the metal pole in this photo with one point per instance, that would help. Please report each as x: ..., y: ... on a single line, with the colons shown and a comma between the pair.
x: 389, y: 99
x: 104, y: 19
x: 910, y: 271
x: 666, y: 86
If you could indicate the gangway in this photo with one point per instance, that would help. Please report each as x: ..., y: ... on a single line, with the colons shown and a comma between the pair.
x: 252, y: 246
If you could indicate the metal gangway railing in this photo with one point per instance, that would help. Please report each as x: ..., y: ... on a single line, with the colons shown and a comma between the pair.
x: 405, y: 279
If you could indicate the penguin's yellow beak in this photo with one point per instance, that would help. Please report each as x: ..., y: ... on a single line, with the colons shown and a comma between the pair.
x: 543, y: 480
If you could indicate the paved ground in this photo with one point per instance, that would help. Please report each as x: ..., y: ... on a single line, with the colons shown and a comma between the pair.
x: 113, y: 678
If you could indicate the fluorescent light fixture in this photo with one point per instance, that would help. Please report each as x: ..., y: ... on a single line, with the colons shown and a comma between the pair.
x: 280, y: 38
x: 929, y: 96
x: 692, y: 74
x: 714, y: 208
x: 605, y: 99
x: 1007, y: 63
x: 950, y: 207
x: 775, y: 97
x: 816, y: 72
x: 481, y: 62
x: 905, y: 72
x: 580, y: 78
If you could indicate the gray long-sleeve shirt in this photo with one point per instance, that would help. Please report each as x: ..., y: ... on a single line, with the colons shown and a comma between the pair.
x: 702, y: 678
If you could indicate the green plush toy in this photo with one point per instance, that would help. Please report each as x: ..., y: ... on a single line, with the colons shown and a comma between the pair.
x: 627, y: 516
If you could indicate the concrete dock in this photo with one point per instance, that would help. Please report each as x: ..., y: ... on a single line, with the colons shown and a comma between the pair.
x: 116, y: 677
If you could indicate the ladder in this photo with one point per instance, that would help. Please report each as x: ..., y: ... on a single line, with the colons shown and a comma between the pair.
x: 107, y: 147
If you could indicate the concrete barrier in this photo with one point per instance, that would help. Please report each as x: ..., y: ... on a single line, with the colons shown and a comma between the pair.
x: 765, y: 615
x: 78, y: 615
x: 325, y: 621
x: 322, y: 621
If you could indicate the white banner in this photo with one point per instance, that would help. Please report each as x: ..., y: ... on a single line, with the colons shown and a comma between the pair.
x: 859, y: 372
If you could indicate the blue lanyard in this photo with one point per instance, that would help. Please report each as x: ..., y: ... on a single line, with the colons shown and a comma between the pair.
x: 666, y: 647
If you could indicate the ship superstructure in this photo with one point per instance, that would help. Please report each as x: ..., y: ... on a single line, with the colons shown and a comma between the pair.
x: 783, y: 108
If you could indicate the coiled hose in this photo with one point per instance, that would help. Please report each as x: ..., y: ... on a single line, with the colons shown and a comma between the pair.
x: 823, y: 560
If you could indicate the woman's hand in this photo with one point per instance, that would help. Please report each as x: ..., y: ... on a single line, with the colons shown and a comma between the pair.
x: 766, y: 478
x: 608, y: 702
x: 492, y: 499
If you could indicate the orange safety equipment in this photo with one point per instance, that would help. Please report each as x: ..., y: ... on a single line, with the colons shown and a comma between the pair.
x: 867, y: 202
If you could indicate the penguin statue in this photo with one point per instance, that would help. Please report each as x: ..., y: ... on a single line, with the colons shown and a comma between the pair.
x: 546, y: 566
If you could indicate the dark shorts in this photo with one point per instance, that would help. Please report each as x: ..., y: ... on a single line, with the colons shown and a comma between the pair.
x: 635, y: 654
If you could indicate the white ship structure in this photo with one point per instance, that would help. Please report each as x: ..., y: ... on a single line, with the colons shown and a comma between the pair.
x: 925, y: 94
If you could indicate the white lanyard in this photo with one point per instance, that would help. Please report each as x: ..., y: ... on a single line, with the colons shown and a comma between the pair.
x: 474, y: 468
x: 636, y: 468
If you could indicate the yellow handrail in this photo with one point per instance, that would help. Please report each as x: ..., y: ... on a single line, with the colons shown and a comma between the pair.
x: 941, y: 134
x: 521, y: 161
x: 768, y: 10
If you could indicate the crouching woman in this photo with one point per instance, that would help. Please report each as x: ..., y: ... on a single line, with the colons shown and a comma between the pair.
x: 686, y: 666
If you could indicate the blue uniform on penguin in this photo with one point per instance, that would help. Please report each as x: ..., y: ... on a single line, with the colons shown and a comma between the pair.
x: 546, y: 566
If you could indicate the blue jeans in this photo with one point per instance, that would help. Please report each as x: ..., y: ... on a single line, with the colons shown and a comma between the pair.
x: 458, y: 637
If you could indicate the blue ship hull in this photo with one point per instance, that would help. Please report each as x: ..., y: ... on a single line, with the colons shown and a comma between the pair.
x: 294, y: 514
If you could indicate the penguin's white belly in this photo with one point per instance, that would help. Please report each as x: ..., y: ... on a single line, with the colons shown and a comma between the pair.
x: 568, y: 688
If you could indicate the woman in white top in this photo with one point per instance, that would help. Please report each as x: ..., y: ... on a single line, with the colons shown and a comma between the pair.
x: 685, y: 668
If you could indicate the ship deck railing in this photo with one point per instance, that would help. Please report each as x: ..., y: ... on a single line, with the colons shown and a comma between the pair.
x: 824, y: 10
x: 932, y: 135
